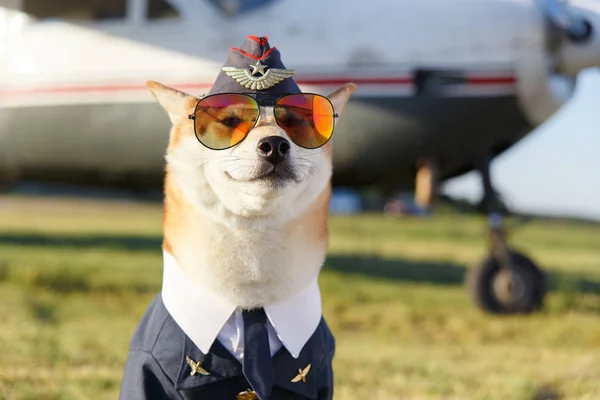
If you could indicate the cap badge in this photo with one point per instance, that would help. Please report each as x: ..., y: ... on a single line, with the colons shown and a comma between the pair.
x: 265, y: 80
x: 258, y: 67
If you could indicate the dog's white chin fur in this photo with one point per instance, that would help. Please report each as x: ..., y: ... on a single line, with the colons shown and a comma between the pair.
x: 248, y: 199
x: 250, y: 260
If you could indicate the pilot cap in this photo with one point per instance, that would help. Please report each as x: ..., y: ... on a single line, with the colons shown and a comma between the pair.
x: 255, y: 67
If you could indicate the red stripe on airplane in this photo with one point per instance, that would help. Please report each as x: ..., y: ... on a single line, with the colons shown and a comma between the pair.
x: 473, y: 80
x: 358, y: 81
x: 491, y: 80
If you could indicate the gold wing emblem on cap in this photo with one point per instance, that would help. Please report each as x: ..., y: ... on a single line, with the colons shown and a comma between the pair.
x: 271, y: 78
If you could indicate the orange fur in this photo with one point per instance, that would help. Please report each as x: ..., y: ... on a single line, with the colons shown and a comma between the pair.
x: 175, y: 209
x: 311, y: 227
x: 186, y: 127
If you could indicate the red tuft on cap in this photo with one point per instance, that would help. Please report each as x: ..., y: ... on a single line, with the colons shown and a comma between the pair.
x: 260, y: 40
x: 252, y: 56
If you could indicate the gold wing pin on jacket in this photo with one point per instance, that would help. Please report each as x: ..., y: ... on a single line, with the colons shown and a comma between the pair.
x: 196, y: 367
x: 301, y: 375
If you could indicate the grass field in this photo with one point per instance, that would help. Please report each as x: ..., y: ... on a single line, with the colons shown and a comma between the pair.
x: 76, y: 276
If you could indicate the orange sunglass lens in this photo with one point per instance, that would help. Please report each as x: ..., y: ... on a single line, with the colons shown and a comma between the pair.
x: 306, y: 118
x: 223, y: 120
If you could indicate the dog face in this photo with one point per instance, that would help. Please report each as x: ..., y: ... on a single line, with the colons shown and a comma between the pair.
x: 266, y: 175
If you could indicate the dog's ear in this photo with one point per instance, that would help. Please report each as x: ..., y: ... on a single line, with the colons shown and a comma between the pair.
x: 177, y: 104
x: 340, y: 97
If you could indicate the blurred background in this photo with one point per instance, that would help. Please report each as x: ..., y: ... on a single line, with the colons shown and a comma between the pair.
x: 464, y: 258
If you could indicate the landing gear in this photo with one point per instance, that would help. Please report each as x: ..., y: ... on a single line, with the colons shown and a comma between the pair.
x: 506, y: 281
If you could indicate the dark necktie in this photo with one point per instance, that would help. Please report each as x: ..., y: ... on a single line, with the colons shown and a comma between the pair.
x: 257, y: 367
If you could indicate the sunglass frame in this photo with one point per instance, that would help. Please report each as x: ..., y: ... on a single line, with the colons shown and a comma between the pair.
x: 261, y: 100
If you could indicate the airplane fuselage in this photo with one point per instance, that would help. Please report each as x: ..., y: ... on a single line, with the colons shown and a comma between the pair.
x: 450, y: 80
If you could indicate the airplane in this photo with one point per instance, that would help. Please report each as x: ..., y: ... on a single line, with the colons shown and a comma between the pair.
x: 444, y: 86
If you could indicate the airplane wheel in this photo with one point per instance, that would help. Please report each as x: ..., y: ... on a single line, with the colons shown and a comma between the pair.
x: 502, y: 291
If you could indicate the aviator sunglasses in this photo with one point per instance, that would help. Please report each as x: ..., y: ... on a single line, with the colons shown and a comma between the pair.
x: 223, y: 120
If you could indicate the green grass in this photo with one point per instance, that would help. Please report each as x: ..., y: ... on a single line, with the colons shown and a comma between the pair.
x: 76, y: 276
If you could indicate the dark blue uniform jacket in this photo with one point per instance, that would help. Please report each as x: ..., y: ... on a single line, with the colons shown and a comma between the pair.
x: 157, y: 369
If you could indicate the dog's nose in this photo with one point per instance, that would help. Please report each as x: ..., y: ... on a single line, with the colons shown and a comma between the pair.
x: 274, y: 149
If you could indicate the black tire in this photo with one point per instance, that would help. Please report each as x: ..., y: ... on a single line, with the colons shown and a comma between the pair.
x: 480, y: 284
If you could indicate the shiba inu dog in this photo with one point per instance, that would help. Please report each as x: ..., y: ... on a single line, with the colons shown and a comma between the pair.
x: 247, y: 192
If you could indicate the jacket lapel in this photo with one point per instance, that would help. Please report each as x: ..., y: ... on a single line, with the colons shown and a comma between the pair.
x: 294, y: 374
x: 218, y: 363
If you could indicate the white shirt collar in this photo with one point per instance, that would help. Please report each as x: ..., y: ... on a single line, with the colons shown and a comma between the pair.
x: 201, y: 314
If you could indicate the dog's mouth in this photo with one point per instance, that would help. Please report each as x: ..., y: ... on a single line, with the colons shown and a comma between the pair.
x: 273, y: 175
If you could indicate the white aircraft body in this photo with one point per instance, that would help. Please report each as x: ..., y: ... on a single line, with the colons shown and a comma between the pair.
x: 100, y: 53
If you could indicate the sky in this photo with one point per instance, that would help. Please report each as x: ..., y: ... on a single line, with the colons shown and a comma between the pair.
x: 556, y: 168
